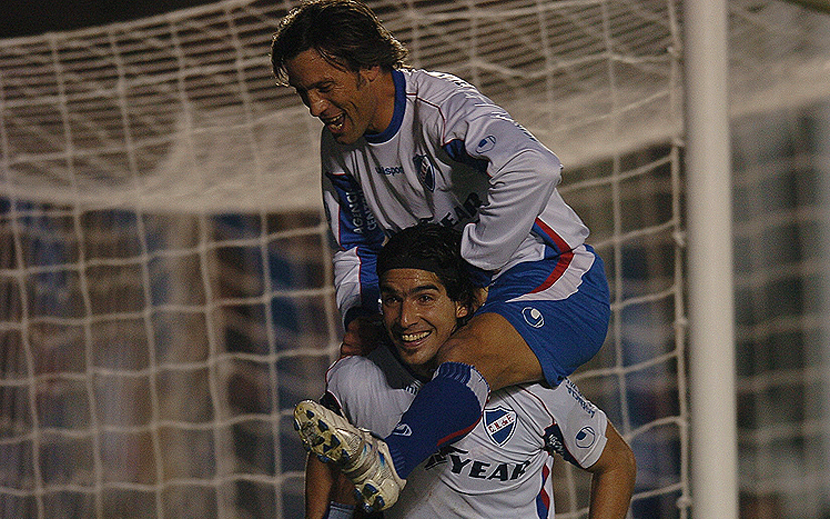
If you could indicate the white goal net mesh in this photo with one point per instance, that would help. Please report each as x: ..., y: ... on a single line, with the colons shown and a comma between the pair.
x: 165, y: 292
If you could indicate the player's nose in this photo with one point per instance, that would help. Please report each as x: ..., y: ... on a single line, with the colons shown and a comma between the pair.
x: 316, y: 104
x: 408, y: 314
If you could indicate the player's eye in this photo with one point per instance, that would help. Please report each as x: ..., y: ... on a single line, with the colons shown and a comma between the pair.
x: 303, y: 95
x: 390, y: 300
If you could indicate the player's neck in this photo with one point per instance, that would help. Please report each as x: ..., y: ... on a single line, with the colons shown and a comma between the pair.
x: 384, y: 87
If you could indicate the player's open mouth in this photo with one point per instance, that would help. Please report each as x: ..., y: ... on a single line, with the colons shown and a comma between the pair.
x: 413, y: 337
x: 335, y: 124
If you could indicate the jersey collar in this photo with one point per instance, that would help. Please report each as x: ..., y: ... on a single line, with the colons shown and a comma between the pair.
x: 397, y: 116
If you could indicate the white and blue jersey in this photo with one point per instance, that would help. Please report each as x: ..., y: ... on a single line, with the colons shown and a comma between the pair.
x: 450, y: 155
x: 502, y: 468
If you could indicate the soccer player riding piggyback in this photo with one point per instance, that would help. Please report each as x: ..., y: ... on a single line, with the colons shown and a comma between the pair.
x: 401, y: 146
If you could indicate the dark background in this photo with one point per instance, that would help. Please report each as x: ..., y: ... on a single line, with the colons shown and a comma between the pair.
x: 30, y: 17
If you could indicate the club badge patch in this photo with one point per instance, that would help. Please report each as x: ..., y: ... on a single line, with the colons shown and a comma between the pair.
x: 500, y: 424
x: 426, y: 173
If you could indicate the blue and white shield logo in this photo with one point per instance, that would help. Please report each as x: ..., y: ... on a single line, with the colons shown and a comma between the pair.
x: 500, y: 424
x: 426, y: 173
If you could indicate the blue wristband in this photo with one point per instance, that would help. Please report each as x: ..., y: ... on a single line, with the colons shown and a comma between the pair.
x: 339, y: 511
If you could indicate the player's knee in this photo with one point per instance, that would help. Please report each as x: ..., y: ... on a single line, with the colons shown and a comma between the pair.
x: 503, y: 359
x: 457, y: 350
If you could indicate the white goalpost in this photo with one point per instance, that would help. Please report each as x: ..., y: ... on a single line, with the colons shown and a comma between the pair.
x: 165, y: 283
x: 712, y: 395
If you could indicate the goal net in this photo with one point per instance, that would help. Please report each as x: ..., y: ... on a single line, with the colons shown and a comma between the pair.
x: 165, y: 287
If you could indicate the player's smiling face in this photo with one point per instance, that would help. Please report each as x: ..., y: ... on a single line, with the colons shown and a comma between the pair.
x: 343, y: 99
x: 418, y: 315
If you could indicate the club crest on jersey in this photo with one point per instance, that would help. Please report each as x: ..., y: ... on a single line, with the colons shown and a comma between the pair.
x: 426, y: 173
x: 500, y: 424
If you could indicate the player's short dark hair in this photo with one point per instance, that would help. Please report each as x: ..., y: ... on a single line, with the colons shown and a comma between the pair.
x: 434, y: 248
x: 346, y: 33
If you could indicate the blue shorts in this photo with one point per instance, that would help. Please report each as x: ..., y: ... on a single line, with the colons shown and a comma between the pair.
x: 560, y: 306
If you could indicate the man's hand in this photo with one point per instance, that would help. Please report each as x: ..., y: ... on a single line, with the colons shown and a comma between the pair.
x: 362, y: 336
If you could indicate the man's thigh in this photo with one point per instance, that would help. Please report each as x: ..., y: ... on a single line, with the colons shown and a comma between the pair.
x: 541, y: 320
x: 491, y: 344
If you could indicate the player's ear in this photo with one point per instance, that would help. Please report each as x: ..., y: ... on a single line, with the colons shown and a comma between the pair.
x: 370, y: 73
x: 461, y: 310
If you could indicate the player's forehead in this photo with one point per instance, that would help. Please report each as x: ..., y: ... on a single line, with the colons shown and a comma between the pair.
x: 309, y: 69
x: 407, y: 280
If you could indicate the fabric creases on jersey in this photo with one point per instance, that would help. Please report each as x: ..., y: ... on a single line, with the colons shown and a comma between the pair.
x: 550, y: 238
x: 454, y: 157
x: 503, y: 468
x: 543, y: 500
x: 355, y: 229
x: 457, y: 150
x: 564, y: 279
